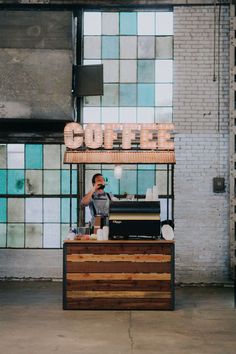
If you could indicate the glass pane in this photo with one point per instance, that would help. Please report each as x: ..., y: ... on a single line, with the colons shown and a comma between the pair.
x: 15, y: 156
x: 3, y: 235
x: 161, y: 182
x: 64, y: 232
x: 164, y: 47
x: 52, y: 156
x: 33, y: 182
x: 112, y: 184
x: 51, y: 211
x: 16, y: 182
x: 92, y: 47
x: 111, y: 70
x: 164, y: 23
x: 63, y: 165
x: 110, y: 115
x: 16, y: 210
x: 146, y: 167
x: 164, y: 209
x: 65, y: 182
x: 33, y: 157
x: 163, y: 115
x: 164, y: 70
x: 146, y: 70
x: 146, y: 94
x: 3, y: 181
x: 163, y: 94
x: 145, y: 115
x: 146, y: 179
x: 146, y: 47
x: 3, y: 156
x: 127, y: 95
x: 128, y: 71
x: 65, y: 210
x: 110, y: 47
x: 51, y: 236
x: 91, y: 115
x: 128, y: 182
x: 92, y: 23
x: 3, y: 210
x: 110, y: 97
x: 128, y: 47
x: 146, y: 23
x: 15, y: 235
x: 128, y: 115
x: 92, y: 101
x: 33, y: 210
x: 128, y: 23
x: 51, y: 181
x: 33, y: 235
x: 110, y: 23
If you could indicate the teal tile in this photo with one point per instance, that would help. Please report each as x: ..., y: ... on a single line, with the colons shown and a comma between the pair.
x: 16, y: 182
x: 3, y: 235
x: 3, y: 181
x: 3, y: 210
x: 146, y: 179
x: 65, y: 182
x: 34, y: 156
x: 128, y: 23
x: 110, y: 47
x: 146, y: 71
x: 65, y: 210
x: 128, y: 93
x: 146, y: 95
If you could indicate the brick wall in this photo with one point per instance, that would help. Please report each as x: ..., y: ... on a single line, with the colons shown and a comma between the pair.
x: 202, y: 217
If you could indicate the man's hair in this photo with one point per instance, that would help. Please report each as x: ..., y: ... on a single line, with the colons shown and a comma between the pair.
x: 94, y: 177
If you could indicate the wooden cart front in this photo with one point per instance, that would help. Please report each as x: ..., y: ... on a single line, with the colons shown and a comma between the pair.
x: 116, y: 275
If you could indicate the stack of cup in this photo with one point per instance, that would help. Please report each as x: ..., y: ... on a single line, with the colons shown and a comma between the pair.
x: 102, y: 234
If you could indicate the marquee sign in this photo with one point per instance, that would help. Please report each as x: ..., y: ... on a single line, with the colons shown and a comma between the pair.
x: 116, y: 143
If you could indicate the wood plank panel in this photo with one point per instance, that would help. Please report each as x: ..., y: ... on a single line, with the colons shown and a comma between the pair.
x: 119, y: 248
x: 119, y: 304
x: 118, y: 276
x: 147, y: 285
x: 118, y: 267
x: 119, y: 294
x: 119, y: 258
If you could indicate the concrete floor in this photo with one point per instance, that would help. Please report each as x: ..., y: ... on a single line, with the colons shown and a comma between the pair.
x: 32, y: 322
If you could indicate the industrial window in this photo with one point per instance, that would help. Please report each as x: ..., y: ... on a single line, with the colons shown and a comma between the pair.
x: 35, y: 196
x: 136, y: 50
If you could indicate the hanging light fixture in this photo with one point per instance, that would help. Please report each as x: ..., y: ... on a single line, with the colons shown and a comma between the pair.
x: 118, y: 171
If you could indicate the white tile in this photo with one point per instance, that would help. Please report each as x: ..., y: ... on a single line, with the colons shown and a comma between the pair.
x: 33, y: 210
x: 128, y: 47
x: 146, y: 23
x: 145, y: 115
x: 51, y: 210
x: 111, y: 70
x: 164, y: 23
x: 128, y: 115
x: 51, y: 236
x: 16, y: 210
x: 110, y: 23
x: 91, y: 115
x: 92, y: 47
x: 128, y: 71
x: 52, y: 156
x: 109, y: 115
x: 92, y: 23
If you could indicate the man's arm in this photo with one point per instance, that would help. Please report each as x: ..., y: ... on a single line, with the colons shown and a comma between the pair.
x: 86, y: 199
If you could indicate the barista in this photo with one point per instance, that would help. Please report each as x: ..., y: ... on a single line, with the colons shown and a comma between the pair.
x: 97, y: 199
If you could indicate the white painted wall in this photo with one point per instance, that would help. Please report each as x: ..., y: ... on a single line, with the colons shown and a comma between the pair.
x: 202, y: 217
